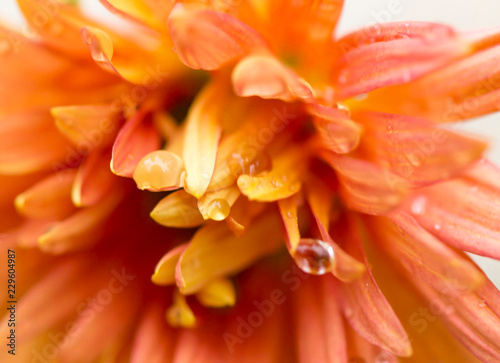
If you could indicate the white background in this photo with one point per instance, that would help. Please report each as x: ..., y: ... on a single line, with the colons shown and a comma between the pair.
x: 462, y: 14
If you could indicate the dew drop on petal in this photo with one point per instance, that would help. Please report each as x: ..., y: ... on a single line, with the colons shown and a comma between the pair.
x: 218, y: 209
x: 437, y: 226
x: 418, y: 205
x: 314, y: 256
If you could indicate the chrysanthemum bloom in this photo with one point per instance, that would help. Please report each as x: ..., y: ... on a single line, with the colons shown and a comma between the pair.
x: 273, y: 152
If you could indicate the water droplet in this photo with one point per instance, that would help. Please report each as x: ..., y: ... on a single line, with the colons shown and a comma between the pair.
x: 218, y: 209
x: 437, y: 226
x: 276, y: 182
x: 389, y: 129
x: 314, y: 256
x: 261, y: 163
x: 482, y: 304
x: 418, y: 206
x: 289, y: 214
x: 4, y: 46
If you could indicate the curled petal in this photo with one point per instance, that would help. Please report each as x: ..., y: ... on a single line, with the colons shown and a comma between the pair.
x: 165, y: 269
x: 137, y: 138
x: 208, y: 39
x: 266, y: 77
x: 337, y: 131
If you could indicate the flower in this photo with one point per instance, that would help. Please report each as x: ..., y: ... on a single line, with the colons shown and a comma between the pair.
x: 316, y: 209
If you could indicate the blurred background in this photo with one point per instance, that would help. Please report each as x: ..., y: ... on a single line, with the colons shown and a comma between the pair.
x: 461, y: 14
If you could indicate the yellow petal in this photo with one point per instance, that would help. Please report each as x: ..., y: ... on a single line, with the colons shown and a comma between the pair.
x: 217, y: 205
x: 179, y: 210
x: 215, y: 252
x: 288, y: 210
x: 180, y: 314
x: 217, y: 294
x: 165, y: 269
x: 202, y: 139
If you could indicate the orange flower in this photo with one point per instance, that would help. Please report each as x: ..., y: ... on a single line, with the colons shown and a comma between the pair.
x: 258, y: 131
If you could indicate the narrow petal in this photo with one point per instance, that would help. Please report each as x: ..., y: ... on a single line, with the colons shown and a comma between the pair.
x: 202, y: 139
x: 368, y: 311
x: 90, y: 126
x: 416, y: 149
x: 208, y: 39
x: 365, y: 186
x: 49, y: 198
x: 137, y: 138
x: 179, y: 210
x: 93, y: 180
x: 288, y: 211
x: 337, y: 131
x: 219, y: 253
x: 180, y: 314
x: 140, y: 11
x: 266, y: 77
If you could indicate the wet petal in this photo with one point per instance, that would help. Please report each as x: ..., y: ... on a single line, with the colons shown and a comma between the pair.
x: 288, y: 211
x: 266, y: 77
x: 471, y: 222
x: 416, y: 149
x: 217, y: 205
x: 208, y: 39
x: 215, y: 252
x: 392, y: 53
x: 137, y: 138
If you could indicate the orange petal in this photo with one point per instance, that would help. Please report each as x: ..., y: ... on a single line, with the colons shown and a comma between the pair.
x: 93, y: 180
x: 319, y: 327
x: 137, y: 138
x: 337, y: 131
x: 218, y: 252
x: 178, y: 209
x: 25, y: 136
x: 202, y: 139
x: 415, y: 149
x: 49, y: 198
x: 90, y: 125
x: 266, y: 77
x: 217, y: 294
x: 154, y: 340
x: 82, y: 229
x: 471, y: 222
x: 288, y: 211
x: 368, y: 311
x: 165, y: 269
x: 217, y: 205
x: 392, y: 53
x: 140, y: 11
x: 242, y: 215
x: 411, y: 244
x: 27, y: 235
x: 159, y: 170
x: 208, y: 39
x: 179, y: 314
x: 366, y: 187
x: 282, y: 181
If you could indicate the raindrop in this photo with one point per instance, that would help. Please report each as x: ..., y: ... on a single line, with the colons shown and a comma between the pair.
x: 289, y: 214
x: 418, y: 206
x: 218, y: 209
x: 276, y: 182
x: 437, y: 226
x: 314, y: 256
